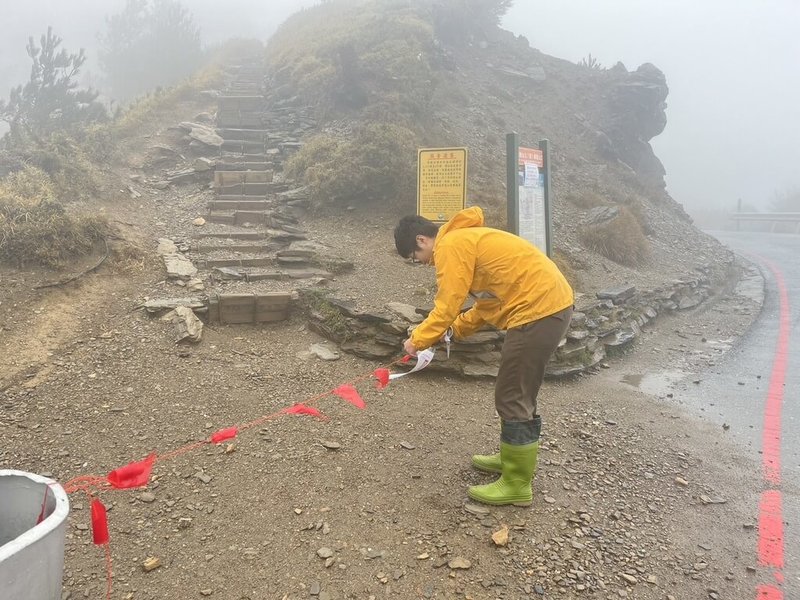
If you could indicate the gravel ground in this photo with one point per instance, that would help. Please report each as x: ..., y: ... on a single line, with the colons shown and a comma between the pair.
x: 624, y: 497
x: 633, y: 498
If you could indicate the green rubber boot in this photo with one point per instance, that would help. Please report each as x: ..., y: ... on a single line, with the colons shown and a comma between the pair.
x: 489, y: 463
x: 514, y: 484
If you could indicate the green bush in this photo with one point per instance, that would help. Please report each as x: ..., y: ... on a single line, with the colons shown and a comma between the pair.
x: 376, y: 166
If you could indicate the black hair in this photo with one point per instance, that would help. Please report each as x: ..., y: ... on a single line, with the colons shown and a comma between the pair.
x: 407, y: 230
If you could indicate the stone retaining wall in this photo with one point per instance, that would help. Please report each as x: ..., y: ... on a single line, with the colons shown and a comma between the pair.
x: 602, y: 325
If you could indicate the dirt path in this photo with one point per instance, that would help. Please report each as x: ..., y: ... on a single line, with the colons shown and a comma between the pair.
x: 619, y: 498
x: 625, y: 497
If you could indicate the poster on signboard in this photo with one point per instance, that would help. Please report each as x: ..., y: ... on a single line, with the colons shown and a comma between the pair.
x: 441, y: 182
x: 532, y: 214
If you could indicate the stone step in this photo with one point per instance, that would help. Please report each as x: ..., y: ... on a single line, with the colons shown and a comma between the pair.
x: 240, y: 205
x: 231, y: 235
x: 238, y: 119
x: 251, y: 189
x: 252, y: 275
x: 287, y: 273
x: 270, y: 219
x: 240, y: 103
x: 240, y: 217
x: 221, y: 219
x: 247, y: 88
x: 256, y: 261
x: 246, y: 157
x: 254, y: 135
x: 246, y: 248
x: 243, y: 146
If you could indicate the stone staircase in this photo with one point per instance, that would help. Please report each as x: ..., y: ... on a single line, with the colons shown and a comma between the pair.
x: 251, y: 241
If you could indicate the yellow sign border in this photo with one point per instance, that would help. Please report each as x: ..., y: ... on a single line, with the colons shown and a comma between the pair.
x: 465, y: 155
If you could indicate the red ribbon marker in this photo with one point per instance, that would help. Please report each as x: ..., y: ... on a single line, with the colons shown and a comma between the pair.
x: 135, y: 474
x: 99, y: 523
x: 302, y: 409
x: 382, y: 375
x: 406, y: 359
x: 349, y: 393
x: 224, y: 434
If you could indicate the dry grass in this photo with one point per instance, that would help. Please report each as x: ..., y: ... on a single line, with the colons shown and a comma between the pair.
x: 367, y: 57
x: 376, y: 166
x: 35, y: 228
x: 620, y: 239
x: 587, y: 200
x: 141, y: 111
x: 566, y: 267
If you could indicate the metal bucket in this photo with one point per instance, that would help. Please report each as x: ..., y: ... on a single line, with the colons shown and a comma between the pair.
x: 31, y: 554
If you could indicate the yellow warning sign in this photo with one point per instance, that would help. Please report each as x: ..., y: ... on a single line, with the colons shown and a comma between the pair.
x: 441, y: 182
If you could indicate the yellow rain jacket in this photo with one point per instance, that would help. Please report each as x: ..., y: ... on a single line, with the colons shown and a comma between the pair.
x: 512, y: 281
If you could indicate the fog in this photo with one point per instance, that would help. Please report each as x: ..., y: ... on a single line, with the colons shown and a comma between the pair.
x: 734, y: 77
x: 79, y: 23
x: 731, y: 65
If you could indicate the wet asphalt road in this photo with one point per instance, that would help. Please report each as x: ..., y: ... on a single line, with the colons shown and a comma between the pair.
x: 735, y: 392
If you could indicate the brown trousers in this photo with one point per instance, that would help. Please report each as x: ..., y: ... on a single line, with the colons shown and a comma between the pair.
x: 525, y: 353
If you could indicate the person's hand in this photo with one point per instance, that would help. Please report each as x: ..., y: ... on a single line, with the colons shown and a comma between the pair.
x: 408, y: 348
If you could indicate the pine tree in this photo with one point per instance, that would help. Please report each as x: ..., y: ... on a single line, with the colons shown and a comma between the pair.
x: 51, y: 101
x: 149, y: 44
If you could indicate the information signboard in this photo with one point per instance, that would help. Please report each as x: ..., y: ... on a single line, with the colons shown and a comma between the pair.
x: 532, y: 215
x: 441, y: 182
x: 528, y: 185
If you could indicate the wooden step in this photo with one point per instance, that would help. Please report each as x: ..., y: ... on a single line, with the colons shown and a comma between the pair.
x: 227, y: 178
x: 230, y: 165
x: 249, y: 308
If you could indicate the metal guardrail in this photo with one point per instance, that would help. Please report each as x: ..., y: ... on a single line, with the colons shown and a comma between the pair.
x: 792, y: 217
x: 774, y: 218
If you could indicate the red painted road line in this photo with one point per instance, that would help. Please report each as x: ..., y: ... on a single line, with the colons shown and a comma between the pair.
x: 770, y: 510
x: 768, y: 592
x: 771, y: 440
x: 770, y: 530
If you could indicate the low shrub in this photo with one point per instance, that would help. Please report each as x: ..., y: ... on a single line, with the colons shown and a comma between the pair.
x: 621, y: 239
x: 587, y: 200
x: 35, y: 228
x: 376, y: 166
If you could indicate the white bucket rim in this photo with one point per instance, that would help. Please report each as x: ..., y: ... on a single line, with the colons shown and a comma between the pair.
x: 51, y: 522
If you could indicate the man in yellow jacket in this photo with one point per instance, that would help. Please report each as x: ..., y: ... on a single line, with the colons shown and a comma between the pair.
x: 515, y: 287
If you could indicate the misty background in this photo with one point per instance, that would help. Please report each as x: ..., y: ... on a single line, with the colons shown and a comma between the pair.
x: 734, y: 103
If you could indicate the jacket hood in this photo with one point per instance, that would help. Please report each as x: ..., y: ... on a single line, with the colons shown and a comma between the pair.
x: 469, y: 217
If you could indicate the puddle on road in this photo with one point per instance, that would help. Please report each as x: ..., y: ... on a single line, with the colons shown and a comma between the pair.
x: 655, y: 384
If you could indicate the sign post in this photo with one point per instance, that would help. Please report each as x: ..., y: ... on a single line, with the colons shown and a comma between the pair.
x: 528, y: 192
x: 441, y: 182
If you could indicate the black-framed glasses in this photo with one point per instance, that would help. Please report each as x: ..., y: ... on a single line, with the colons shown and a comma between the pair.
x: 413, y: 257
